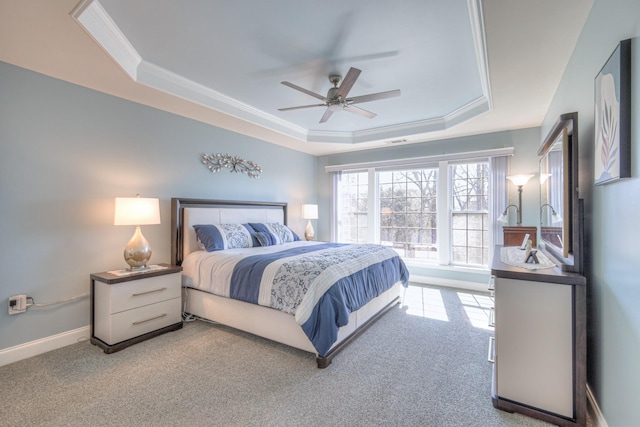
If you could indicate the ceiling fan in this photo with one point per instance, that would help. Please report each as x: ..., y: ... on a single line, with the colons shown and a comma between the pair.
x: 336, y: 98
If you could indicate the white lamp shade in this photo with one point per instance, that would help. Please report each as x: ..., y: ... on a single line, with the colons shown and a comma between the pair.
x: 136, y: 211
x: 519, y: 180
x: 309, y: 211
x: 544, y: 177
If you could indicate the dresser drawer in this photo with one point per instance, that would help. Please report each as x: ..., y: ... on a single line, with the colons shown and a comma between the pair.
x: 118, y: 297
x: 132, y: 323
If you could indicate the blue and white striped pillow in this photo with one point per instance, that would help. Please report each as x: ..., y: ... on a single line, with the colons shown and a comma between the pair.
x: 266, y: 238
x: 282, y: 233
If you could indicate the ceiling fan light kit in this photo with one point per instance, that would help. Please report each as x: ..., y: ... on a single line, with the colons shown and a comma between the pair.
x: 337, y: 99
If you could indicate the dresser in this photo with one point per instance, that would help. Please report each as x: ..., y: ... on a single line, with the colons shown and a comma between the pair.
x: 539, y: 349
x: 129, y: 308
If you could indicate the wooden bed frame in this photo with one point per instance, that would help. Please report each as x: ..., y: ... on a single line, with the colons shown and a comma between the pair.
x: 255, y: 319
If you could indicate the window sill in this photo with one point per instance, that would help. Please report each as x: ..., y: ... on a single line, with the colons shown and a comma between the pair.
x: 452, y: 276
x: 463, y: 269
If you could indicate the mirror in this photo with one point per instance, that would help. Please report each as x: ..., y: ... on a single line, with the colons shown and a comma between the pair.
x: 553, y: 212
x: 560, y: 208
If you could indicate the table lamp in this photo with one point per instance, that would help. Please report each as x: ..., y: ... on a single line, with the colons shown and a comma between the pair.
x: 137, y: 211
x: 309, y: 212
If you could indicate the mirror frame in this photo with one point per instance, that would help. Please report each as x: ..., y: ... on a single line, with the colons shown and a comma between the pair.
x: 570, y: 255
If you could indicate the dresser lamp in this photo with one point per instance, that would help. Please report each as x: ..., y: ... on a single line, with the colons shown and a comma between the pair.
x: 519, y: 181
x: 137, y: 211
x: 309, y: 212
x: 555, y: 217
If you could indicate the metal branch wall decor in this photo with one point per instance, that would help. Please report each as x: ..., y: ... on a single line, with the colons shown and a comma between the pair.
x: 215, y: 162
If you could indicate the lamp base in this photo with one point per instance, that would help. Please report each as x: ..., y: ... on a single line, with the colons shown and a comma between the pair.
x: 309, y: 232
x: 138, y: 252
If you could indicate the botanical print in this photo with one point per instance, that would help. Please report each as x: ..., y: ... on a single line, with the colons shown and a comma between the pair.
x: 612, y: 155
x: 607, y: 154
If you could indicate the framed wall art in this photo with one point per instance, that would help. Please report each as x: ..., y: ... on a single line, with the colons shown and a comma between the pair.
x: 612, y: 155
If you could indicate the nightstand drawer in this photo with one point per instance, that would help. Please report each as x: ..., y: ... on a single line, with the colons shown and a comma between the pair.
x: 132, y: 323
x: 127, y: 295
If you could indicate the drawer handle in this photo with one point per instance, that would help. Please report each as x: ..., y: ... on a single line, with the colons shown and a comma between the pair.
x: 148, y: 292
x: 149, y: 320
x: 490, y: 356
x: 492, y: 317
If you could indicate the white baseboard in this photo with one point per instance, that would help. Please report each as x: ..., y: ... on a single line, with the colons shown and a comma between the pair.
x: 450, y: 283
x: 594, y: 410
x: 43, y: 345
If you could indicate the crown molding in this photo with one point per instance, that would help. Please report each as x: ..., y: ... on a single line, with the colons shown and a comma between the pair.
x: 95, y: 20
x: 154, y: 76
x: 404, y: 130
x: 98, y: 24
x: 480, y: 45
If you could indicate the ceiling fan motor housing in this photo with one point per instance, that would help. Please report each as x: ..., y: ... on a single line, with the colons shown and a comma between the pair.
x: 331, y: 93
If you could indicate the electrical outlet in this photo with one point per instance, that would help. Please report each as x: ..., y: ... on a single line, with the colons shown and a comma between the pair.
x: 17, y: 304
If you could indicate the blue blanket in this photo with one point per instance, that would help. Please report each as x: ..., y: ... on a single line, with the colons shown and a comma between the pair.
x: 319, y: 284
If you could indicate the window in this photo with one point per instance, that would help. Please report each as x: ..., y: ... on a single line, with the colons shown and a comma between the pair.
x: 407, y: 201
x: 417, y: 212
x: 352, y: 202
x: 469, y: 213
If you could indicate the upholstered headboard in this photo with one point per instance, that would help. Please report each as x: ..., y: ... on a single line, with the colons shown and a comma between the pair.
x: 187, y: 212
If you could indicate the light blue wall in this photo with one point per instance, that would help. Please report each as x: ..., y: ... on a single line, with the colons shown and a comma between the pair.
x: 525, y: 160
x: 611, y: 211
x: 67, y: 151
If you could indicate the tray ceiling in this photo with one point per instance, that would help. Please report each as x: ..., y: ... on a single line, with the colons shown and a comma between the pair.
x: 462, y: 66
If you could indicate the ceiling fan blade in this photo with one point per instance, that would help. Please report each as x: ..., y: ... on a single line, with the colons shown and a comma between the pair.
x: 303, y: 90
x: 301, y: 106
x: 373, y: 96
x: 347, y: 82
x: 360, y: 111
x: 326, y: 115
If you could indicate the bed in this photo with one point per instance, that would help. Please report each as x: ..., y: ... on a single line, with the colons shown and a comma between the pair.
x: 216, y: 281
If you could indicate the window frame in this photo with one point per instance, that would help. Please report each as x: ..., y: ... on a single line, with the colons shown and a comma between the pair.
x: 444, y: 196
x: 451, y: 178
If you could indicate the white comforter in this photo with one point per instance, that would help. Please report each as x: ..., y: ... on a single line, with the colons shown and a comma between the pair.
x: 212, y: 272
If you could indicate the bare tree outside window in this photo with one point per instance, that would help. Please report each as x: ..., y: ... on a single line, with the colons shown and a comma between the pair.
x: 408, y: 212
x: 469, y: 213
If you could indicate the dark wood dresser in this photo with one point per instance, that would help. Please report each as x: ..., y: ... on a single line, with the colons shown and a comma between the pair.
x: 513, y: 236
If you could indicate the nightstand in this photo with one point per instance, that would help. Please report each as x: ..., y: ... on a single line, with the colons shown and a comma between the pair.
x: 129, y: 308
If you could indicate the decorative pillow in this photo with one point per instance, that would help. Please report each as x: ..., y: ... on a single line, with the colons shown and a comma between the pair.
x: 266, y: 239
x: 281, y: 231
x: 217, y: 237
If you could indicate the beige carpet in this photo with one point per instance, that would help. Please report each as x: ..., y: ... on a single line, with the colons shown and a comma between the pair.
x: 423, y: 364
